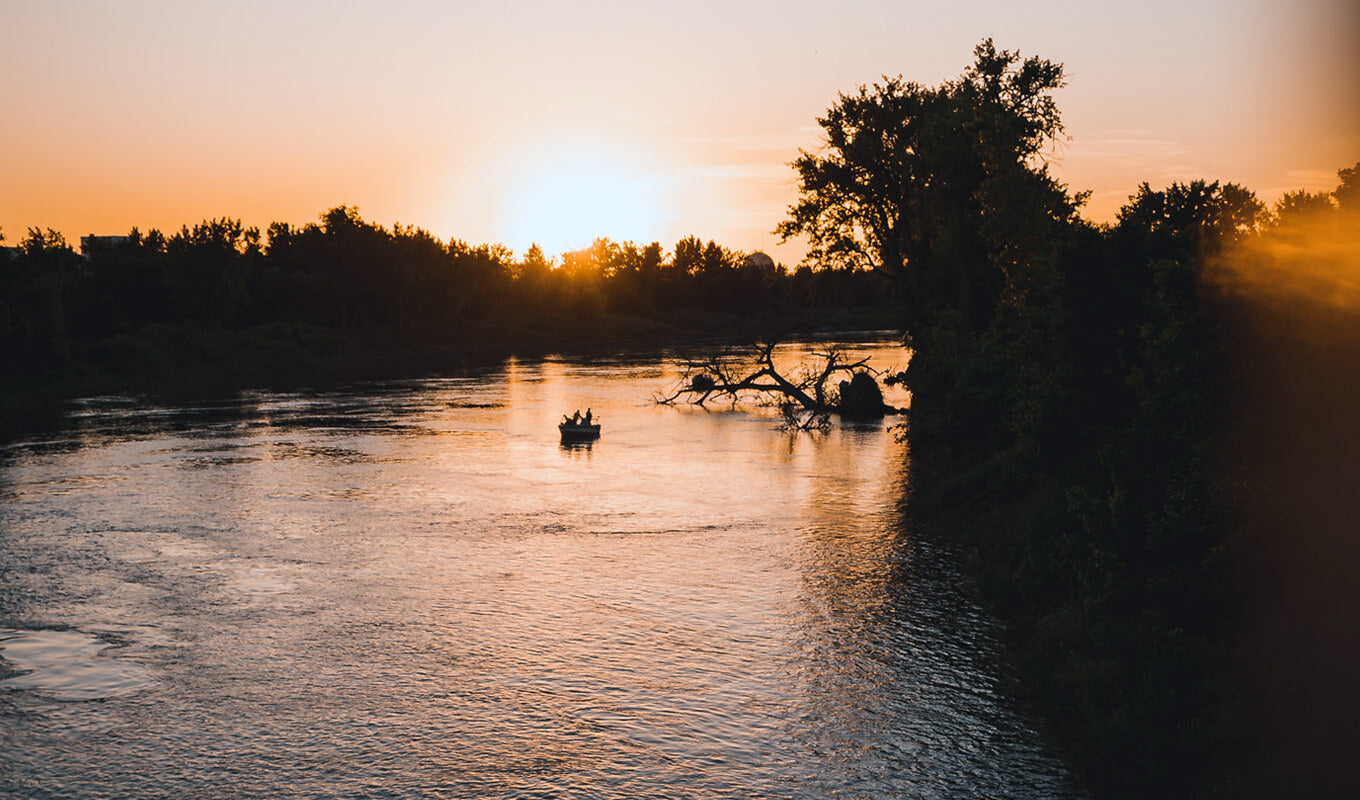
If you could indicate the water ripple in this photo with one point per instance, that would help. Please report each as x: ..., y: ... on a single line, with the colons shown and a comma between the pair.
x: 410, y: 590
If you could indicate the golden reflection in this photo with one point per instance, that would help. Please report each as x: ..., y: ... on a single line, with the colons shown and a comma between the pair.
x: 704, y: 607
x: 850, y: 543
x: 576, y: 450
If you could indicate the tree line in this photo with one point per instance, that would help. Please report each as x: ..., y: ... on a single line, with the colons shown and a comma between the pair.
x: 345, y: 274
x: 1070, y: 395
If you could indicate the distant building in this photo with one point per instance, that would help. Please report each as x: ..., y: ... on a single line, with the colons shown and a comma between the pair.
x: 91, y: 244
x: 759, y: 261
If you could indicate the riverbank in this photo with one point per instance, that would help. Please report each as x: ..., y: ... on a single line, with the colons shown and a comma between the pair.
x: 185, y: 361
x: 1178, y: 600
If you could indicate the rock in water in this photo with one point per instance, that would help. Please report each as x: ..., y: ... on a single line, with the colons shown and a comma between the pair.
x: 861, y: 397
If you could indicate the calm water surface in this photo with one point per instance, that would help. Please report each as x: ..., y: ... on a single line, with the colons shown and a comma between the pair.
x: 413, y: 589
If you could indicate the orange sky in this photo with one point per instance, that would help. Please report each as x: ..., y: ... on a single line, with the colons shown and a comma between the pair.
x: 559, y: 121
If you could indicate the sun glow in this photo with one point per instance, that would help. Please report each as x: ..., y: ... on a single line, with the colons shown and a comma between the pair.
x: 565, y: 199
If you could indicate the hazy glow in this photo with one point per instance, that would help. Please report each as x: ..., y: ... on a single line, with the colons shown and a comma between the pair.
x: 650, y: 120
x: 565, y: 199
x: 1314, y: 258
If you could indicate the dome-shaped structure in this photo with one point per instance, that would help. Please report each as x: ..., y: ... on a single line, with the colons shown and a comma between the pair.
x: 759, y: 260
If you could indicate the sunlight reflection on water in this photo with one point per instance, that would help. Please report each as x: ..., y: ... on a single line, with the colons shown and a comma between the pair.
x: 412, y: 589
x: 66, y: 665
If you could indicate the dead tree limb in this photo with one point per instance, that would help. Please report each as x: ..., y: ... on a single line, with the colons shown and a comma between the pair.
x: 731, y: 375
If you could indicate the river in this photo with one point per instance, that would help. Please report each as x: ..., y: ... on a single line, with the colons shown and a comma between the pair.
x: 412, y: 589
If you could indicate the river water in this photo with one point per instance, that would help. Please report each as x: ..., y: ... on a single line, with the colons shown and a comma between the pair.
x: 412, y: 589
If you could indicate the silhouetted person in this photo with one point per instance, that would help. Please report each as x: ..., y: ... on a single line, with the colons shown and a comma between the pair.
x: 576, y: 418
x: 587, y: 416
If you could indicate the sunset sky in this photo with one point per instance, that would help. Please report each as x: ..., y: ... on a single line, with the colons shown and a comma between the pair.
x: 560, y: 121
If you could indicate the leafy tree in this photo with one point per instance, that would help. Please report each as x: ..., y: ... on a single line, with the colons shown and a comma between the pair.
x: 534, y: 266
x: 650, y: 263
x: 652, y: 258
x: 35, y: 290
x: 911, y: 176
x: 1348, y: 193
x: 717, y: 259
x: 1191, y: 219
x: 944, y: 190
x: 1301, y: 204
x: 689, y: 256
x: 125, y: 287
x: 351, y: 265
x: 210, y: 270
x: 633, y: 277
x: 477, y: 276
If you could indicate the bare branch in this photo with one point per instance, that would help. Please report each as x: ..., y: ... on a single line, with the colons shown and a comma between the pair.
x: 804, y: 395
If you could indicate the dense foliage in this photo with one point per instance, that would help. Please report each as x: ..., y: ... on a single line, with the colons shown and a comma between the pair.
x: 133, y: 302
x: 1067, y: 387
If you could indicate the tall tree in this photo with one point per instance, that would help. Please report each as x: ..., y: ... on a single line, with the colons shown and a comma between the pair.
x: 913, y: 178
x: 1348, y: 193
x: 34, y: 288
x: 689, y: 256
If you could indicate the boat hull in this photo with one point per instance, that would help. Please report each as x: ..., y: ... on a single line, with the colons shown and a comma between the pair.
x: 578, y: 432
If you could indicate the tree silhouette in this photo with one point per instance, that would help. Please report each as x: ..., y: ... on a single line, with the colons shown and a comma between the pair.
x: 1348, y: 193
x: 911, y: 177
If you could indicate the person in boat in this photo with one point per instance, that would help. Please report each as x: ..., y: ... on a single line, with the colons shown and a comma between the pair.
x: 576, y: 418
x: 587, y: 416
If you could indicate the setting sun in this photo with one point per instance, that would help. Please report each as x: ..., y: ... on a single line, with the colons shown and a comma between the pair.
x: 564, y: 199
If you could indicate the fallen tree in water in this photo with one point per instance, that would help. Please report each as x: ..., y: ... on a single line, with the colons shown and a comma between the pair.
x: 806, y: 397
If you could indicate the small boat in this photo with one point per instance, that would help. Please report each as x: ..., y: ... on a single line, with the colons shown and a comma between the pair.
x: 578, y: 431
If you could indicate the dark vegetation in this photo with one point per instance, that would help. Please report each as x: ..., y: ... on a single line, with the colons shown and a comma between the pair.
x: 1290, y: 302
x: 807, y: 398
x: 1081, y: 393
x: 1072, y: 414
x: 220, y: 305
